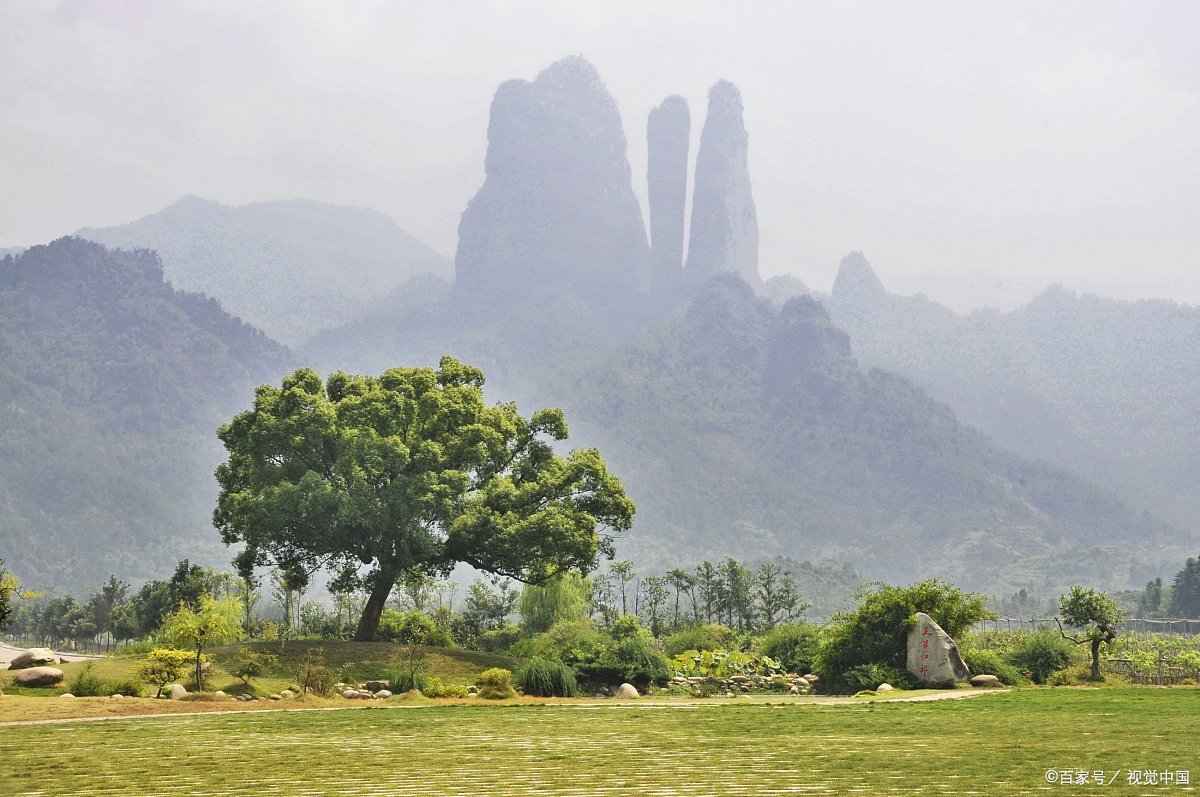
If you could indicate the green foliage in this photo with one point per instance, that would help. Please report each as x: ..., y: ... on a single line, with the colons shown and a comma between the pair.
x: 500, y: 639
x: 990, y: 662
x: 1185, y: 590
x: 723, y: 664
x: 1070, y: 676
x: 712, y: 636
x: 546, y: 678
x: 433, y: 687
x: 573, y: 642
x: 87, y: 683
x: 496, y: 684
x: 563, y: 597
x: 314, y: 675
x: 250, y: 663
x: 877, y: 632
x: 633, y: 659
x: 793, y: 645
x: 403, y: 681
x: 164, y: 666
x: 409, y: 470
x: 212, y: 622
x: 412, y: 627
x: 870, y: 676
x: 125, y: 686
x: 1041, y: 653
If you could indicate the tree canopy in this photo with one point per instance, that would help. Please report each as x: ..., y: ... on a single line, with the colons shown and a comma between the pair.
x: 410, y: 469
x: 1097, y: 614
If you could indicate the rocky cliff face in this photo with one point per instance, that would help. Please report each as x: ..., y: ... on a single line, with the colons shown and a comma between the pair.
x: 724, y: 233
x: 856, y: 282
x: 667, y: 138
x: 556, y: 212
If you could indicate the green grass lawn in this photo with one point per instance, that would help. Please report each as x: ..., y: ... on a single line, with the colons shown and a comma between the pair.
x: 998, y: 744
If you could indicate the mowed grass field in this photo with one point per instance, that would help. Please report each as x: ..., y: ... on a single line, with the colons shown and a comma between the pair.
x: 996, y: 744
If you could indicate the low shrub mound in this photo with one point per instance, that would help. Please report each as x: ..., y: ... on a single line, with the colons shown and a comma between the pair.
x: 547, y: 678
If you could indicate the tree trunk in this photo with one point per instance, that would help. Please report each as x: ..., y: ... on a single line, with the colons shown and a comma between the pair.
x: 1095, y: 659
x: 368, y: 624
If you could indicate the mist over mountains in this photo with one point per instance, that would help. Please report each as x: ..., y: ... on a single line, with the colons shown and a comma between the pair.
x: 745, y: 418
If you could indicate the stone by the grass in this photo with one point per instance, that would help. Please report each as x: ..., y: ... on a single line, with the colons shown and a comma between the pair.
x: 117, y: 696
x: 220, y: 693
x: 884, y: 687
x: 375, y: 686
x: 932, y: 655
x: 39, y: 676
x: 626, y: 691
x: 66, y: 694
x: 277, y: 697
x: 177, y: 692
x: 803, y: 683
x: 350, y: 694
x: 34, y: 657
x: 984, y: 680
x: 812, y: 678
x: 383, y: 694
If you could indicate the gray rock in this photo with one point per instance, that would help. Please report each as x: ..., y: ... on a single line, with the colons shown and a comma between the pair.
x: 724, y: 231
x: 350, y: 694
x: 556, y: 212
x: 802, y: 683
x: 375, y: 686
x: 932, y: 655
x: 668, y: 131
x: 66, y: 694
x: 287, y: 694
x: 39, y: 676
x: 812, y: 678
x: 383, y: 694
x: 277, y: 697
x: 176, y: 692
x: 625, y: 691
x: 219, y: 693
x: 885, y: 687
x: 984, y: 680
x: 34, y: 657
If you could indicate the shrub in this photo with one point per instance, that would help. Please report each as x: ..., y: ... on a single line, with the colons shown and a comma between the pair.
x: 573, y: 642
x: 869, y: 676
x: 701, y: 637
x: 412, y: 628
x: 633, y: 659
x: 499, y: 640
x: 127, y: 687
x: 403, y: 681
x: 1071, y: 676
x: 1041, y: 653
x: 496, y: 684
x: 992, y: 663
x: 313, y: 676
x: 435, y: 688
x: 547, y: 678
x: 794, y: 645
x: 164, y: 666
x: 877, y: 632
x: 250, y: 663
x: 86, y: 683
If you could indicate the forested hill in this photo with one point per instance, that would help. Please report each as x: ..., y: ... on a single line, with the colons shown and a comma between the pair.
x: 112, y: 385
x: 747, y: 429
x: 291, y: 268
x: 1102, y: 387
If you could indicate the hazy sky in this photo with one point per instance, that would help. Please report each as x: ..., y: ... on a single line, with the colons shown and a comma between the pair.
x: 970, y: 150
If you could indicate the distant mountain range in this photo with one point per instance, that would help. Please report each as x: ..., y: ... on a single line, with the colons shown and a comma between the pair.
x: 290, y: 268
x: 998, y: 451
x: 1103, y: 387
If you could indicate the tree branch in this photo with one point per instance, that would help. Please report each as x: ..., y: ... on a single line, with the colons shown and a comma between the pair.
x: 1069, y: 638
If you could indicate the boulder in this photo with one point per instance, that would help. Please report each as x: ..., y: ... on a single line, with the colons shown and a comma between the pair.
x: 375, y: 686
x: 803, y: 683
x: 34, y: 657
x: 626, y: 691
x: 219, y: 693
x: 176, y: 692
x: 885, y: 687
x: 39, y: 676
x: 932, y: 655
x: 350, y: 694
x: 66, y: 694
x: 984, y: 680
x: 383, y: 694
x: 812, y: 678
x: 287, y: 694
x: 277, y: 697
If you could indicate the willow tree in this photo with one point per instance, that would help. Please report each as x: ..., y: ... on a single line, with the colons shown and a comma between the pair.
x: 410, y: 470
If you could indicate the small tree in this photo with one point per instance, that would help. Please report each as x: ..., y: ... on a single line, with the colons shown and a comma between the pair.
x: 163, y: 666
x: 1095, y: 613
x: 252, y: 664
x: 210, y: 623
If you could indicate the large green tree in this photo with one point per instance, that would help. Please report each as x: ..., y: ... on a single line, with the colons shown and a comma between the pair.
x: 410, y: 469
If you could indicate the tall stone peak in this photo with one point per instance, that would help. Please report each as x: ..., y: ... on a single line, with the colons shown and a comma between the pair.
x: 724, y: 232
x: 856, y: 280
x: 556, y: 211
x: 668, y: 134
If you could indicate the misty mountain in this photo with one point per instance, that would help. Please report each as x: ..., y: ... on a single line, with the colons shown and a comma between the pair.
x: 1105, y: 388
x: 112, y: 385
x: 290, y: 268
